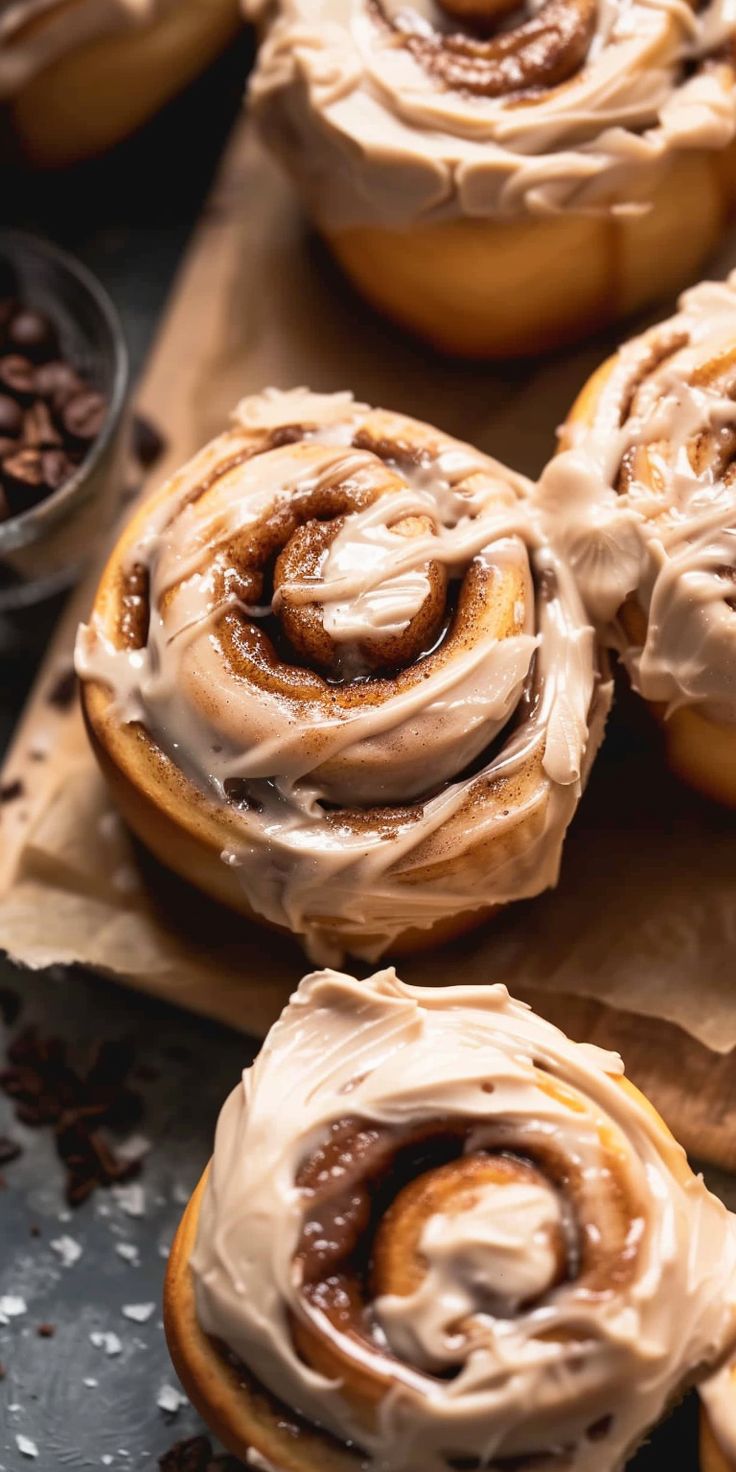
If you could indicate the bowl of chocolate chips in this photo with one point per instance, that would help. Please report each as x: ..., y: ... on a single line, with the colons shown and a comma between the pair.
x: 63, y: 393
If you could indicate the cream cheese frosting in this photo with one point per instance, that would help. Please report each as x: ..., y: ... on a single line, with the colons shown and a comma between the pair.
x: 442, y: 786
x: 35, y: 33
x: 524, y: 1360
x: 665, y: 535
x: 346, y: 94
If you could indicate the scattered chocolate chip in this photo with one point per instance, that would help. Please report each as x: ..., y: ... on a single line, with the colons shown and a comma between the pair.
x: 2, y: 1371
x: 148, y: 442
x: 600, y: 1429
x: 84, y: 415
x: 10, y: 791
x: 10, y: 1005
x: 39, y: 429
x: 191, y: 1455
x: 11, y: 417
x: 34, y: 1230
x: 63, y: 691
x: 32, y: 333
x: 17, y: 377
x: 46, y: 1331
x: 9, y: 1150
x: 78, y: 1105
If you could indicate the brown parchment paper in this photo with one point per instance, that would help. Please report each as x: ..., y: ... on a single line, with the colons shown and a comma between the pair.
x: 636, y: 947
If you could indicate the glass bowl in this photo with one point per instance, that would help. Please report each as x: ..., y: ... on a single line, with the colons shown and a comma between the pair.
x: 45, y: 548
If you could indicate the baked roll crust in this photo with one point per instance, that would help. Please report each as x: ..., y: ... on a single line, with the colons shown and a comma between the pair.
x: 77, y: 76
x: 456, y: 1239
x: 340, y: 680
x: 642, y: 498
x: 504, y: 183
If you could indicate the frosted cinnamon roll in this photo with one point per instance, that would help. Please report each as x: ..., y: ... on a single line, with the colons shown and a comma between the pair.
x: 643, y: 501
x: 77, y: 76
x: 502, y: 178
x: 338, y: 677
x: 438, y: 1235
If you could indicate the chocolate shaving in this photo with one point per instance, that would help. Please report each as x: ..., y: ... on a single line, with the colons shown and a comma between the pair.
x: 11, y: 791
x: 62, y: 692
x: 148, y: 442
x: 78, y: 1105
x: 195, y: 1454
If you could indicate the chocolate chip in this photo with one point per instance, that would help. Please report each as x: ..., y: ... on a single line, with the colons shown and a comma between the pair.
x: 2, y: 1371
x: 46, y: 1331
x: 11, y: 791
x: 47, y: 1090
x: 32, y: 333
x: 17, y: 377
x: 39, y: 430
x: 57, y: 382
x: 11, y: 417
x: 63, y: 691
x: 9, y: 1150
x: 148, y: 442
x: 84, y: 415
x: 192, y: 1455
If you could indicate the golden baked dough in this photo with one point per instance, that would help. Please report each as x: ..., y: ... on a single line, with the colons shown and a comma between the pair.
x: 338, y: 678
x: 454, y: 1235
x: 643, y: 499
x: 505, y: 185
x: 84, y: 74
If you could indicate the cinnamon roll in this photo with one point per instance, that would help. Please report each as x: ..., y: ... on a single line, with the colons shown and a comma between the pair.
x: 339, y: 679
x: 436, y: 1234
x: 504, y: 178
x: 643, y: 500
x: 77, y: 76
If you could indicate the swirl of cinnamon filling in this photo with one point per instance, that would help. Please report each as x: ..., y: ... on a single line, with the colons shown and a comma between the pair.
x: 453, y: 1238
x: 399, y: 114
x: 643, y: 499
x: 336, y: 653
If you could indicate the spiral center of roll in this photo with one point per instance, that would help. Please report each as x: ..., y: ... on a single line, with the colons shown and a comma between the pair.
x: 481, y: 1234
x: 352, y: 599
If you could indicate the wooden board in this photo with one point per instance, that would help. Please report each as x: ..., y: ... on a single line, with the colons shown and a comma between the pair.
x: 256, y: 303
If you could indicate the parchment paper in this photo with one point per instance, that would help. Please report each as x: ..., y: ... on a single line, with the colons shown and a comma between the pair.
x: 643, y: 924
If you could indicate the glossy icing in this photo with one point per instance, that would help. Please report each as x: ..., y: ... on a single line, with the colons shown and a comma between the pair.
x: 664, y: 537
x: 347, y: 94
x: 438, y: 787
x: 584, y: 1369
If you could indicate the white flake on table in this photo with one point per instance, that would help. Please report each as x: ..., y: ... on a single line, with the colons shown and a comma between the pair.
x: 140, y: 1313
x: 128, y: 1251
x: 170, y: 1399
x: 68, y: 1249
x: 26, y: 1447
x: 105, y: 1339
x: 131, y: 1197
x: 11, y: 1307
